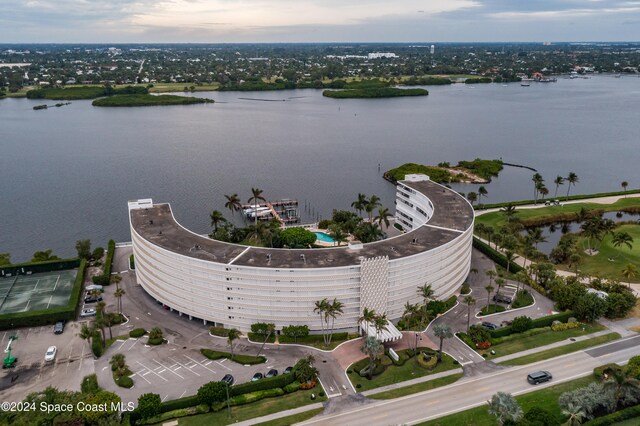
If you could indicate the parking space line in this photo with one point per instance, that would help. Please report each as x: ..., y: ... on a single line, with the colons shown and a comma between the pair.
x: 134, y: 343
x: 200, y: 364
x: 187, y: 368
x: 142, y: 375
x: 220, y: 364
x: 150, y: 370
x: 159, y: 363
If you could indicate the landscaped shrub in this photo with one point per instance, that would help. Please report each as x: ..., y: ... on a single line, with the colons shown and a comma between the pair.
x: 176, y: 404
x: 264, y: 384
x: 96, y: 344
x: 105, y: 278
x: 427, y: 361
x: 538, y: 322
x: 308, y: 385
x: 313, y: 338
x: 483, y: 345
x: 292, y: 387
x: 240, y: 359
x: 137, y: 332
x: 90, y: 384
x: 465, y: 289
x: 349, y: 371
x: 219, y: 331
x: 212, y: 392
x: 155, y: 336
x: 608, y: 369
x: 359, y: 385
x: 565, y: 326
x: 203, y: 408
x: 256, y: 396
x: 124, y: 381
x: 521, y: 324
x: 615, y: 418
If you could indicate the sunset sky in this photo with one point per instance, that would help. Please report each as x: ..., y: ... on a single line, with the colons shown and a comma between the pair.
x: 213, y: 21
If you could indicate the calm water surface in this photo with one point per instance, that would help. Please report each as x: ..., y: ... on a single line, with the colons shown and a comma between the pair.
x: 67, y: 173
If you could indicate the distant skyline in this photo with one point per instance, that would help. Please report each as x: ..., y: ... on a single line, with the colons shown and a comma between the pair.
x: 248, y: 21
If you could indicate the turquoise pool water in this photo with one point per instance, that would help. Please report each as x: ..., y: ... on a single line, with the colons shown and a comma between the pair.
x: 325, y: 238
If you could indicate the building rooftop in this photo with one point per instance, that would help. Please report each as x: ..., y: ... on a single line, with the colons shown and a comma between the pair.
x: 452, y: 215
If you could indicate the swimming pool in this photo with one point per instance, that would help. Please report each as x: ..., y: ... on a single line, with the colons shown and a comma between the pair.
x: 325, y: 238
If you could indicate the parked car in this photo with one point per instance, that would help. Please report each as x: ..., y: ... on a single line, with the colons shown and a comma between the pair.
x: 228, y: 379
x: 539, y: 377
x: 272, y: 373
x: 92, y: 299
x: 503, y: 298
x: 87, y: 312
x: 92, y: 287
x: 58, y: 328
x: 50, y: 355
x: 288, y: 370
x: 256, y: 377
x: 489, y: 325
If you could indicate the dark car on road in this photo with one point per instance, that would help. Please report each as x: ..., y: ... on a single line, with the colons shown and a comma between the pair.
x: 288, y: 370
x: 272, y: 373
x: 256, y: 377
x: 228, y: 379
x: 58, y: 328
x: 539, y: 377
x: 489, y: 325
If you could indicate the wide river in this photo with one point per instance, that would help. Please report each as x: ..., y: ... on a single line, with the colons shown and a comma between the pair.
x: 67, y: 173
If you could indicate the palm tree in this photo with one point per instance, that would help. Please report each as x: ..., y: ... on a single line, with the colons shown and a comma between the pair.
x: 509, y: 211
x: 118, y: 294
x: 624, y: 185
x: 271, y: 328
x: 442, y: 332
x: 510, y: 255
x: 490, y: 232
x: 410, y: 310
x: 536, y: 236
x: 426, y: 292
x: 255, y: 197
x: 543, y: 190
x: 482, y: 192
x: 572, y: 179
x: 575, y: 414
x: 360, y: 203
x: 371, y: 205
x: 232, y: 335
x: 537, y: 181
x: 373, y: 349
x: 629, y: 272
x: 574, y: 260
x: 472, y: 197
x: 321, y: 307
x: 380, y: 323
x: 334, y: 310
x: 233, y: 203
x: 469, y: 301
x: 500, y: 282
x: 368, y: 315
x: 338, y: 235
x: 86, y: 332
x: 620, y: 383
x: 504, y: 407
x: 559, y: 180
x: 216, y: 219
x: 622, y: 238
x: 489, y: 289
x: 117, y: 361
x: 491, y: 274
x: 383, y: 216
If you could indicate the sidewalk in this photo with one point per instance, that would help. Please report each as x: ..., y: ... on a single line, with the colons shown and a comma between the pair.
x: 280, y: 414
x: 412, y: 381
x: 554, y: 345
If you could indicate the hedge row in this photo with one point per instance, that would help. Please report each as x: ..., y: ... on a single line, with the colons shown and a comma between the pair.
x: 37, y: 267
x: 268, y: 383
x: 615, y: 418
x: 240, y: 359
x: 496, y: 256
x: 105, y: 277
x: 48, y: 316
x: 312, y: 338
x: 137, y: 332
x: 536, y: 323
x: 255, y: 337
x: 219, y: 331
x: 571, y: 197
x: 175, y: 414
x: 96, y: 344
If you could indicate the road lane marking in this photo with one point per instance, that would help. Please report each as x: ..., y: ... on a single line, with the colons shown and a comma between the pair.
x: 223, y: 366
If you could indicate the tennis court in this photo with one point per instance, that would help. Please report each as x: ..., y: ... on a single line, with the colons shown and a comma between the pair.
x: 35, y: 292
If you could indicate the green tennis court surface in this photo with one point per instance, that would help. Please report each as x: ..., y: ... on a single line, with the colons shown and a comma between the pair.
x: 36, y: 292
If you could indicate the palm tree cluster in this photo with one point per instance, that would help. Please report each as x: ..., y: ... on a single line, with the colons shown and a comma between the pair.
x: 596, y: 228
x: 343, y: 223
x: 328, y: 312
x: 379, y: 321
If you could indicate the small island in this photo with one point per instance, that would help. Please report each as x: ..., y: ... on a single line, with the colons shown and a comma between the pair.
x: 147, y: 100
x: 375, y: 92
x: 83, y: 92
x: 476, y: 171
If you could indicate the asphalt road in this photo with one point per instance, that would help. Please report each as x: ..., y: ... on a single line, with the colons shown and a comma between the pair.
x: 468, y: 393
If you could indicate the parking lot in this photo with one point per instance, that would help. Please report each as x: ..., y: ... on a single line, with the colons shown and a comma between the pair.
x: 509, y: 292
x: 73, y: 360
x: 174, y: 371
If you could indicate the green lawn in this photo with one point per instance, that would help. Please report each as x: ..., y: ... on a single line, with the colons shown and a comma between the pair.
x: 497, y: 219
x: 561, y: 350
x: 418, y: 387
x: 317, y: 342
x: 394, y: 374
x: 519, y: 344
x: 601, y: 265
x: 629, y: 422
x: 256, y: 409
x: 289, y: 420
x: 479, y: 416
x: 492, y: 309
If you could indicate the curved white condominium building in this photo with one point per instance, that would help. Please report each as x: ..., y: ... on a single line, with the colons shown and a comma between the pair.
x: 235, y: 286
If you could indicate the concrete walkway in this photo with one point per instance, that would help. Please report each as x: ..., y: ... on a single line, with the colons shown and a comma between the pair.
x: 280, y: 414
x: 550, y: 346
x: 412, y: 381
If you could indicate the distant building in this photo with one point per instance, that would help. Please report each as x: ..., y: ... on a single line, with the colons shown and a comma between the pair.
x: 378, y: 55
x: 433, y: 49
